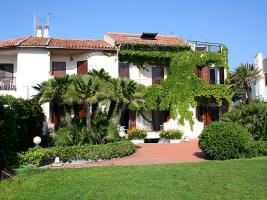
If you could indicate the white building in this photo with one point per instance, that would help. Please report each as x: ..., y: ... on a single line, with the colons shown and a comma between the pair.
x: 259, y: 89
x: 27, y: 61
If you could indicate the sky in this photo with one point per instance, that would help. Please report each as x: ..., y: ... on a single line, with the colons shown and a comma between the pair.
x: 240, y: 24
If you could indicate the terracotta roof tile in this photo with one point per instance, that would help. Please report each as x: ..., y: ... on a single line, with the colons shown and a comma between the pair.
x: 12, y: 42
x: 34, y: 42
x: 31, y: 41
x: 136, y: 39
x: 80, y: 44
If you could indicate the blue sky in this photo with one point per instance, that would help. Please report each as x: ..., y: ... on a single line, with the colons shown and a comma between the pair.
x: 240, y: 24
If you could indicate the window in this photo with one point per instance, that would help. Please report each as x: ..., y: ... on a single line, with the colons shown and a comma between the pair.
x: 124, y: 70
x: 58, y: 69
x: 265, y: 74
x: 7, y: 81
x: 157, y: 75
x: 215, y: 77
x: 6, y: 70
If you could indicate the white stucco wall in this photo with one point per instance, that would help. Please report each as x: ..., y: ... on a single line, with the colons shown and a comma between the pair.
x: 33, y: 68
x: 96, y: 60
x: 259, y: 89
x: 143, y: 76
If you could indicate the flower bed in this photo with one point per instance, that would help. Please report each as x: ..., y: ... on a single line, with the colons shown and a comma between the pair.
x: 41, y: 156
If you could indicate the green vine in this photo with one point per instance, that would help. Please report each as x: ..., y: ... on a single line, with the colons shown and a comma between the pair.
x: 182, y: 89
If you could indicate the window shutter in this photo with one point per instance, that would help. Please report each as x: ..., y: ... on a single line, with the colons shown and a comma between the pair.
x: 58, y: 69
x: 124, y: 70
x: 221, y: 75
x: 206, y: 74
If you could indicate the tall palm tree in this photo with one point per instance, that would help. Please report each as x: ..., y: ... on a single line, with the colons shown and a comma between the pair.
x: 53, y: 91
x: 244, y: 76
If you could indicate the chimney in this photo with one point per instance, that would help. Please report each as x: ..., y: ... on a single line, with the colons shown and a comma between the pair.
x: 46, y: 31
x: 38, y: 31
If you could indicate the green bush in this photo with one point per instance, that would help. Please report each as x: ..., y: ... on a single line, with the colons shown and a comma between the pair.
x: 137, y: 134
x: 228, y: 140
x: 20, y: 121
x: 40, y: 156
x: 171, y: 134
x: 253, y: 116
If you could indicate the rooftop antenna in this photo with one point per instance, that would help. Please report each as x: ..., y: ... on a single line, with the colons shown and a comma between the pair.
x: 48, y: 19
x: 34, y: 22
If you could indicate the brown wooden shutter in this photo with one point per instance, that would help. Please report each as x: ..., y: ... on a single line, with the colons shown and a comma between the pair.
x: 132, y: 119
x: 206, y: 74
x: 196, y: 71
x: 157, y: 75
x: 82, y: 67
x: 124, y: 70
x: 58, y: 69
x: 221, y: 75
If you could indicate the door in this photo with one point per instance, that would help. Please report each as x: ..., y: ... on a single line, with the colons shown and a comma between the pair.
x: 82, y: 67
x: 132, y: 120
x: 157, y: 75
x: 211, y: 113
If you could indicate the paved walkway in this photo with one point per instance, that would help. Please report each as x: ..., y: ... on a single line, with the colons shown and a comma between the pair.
x: 154, y: 154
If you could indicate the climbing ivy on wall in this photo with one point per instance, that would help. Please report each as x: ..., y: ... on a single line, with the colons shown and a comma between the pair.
x: 181, y: 89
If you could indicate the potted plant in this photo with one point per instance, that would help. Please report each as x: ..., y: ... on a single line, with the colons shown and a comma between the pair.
x: 164, y: 137
x: 175, y: 136
x: 171, y: 136
x: 137, y: 136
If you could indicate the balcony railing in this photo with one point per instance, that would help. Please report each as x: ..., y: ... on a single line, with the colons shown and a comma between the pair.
x: 205, y: 46
x: 7, y: 83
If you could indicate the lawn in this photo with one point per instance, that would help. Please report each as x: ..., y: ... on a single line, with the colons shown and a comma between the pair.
x: 234, y: 179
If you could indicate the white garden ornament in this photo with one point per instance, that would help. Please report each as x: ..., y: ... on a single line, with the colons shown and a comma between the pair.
x: 37, y: 140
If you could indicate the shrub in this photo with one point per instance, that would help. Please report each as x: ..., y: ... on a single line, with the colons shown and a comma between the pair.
x: 227, y: 140
x: 171, y: 134
x: 137, y: 134
x: 39, y: 156
x: 19, y: 123
x: 252, y: 116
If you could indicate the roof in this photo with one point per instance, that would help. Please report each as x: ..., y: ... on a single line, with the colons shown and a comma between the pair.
x: 32, y: 41
x: 123, y: 38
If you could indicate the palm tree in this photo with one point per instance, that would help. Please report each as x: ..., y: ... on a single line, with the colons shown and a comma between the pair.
x: 53, y: 91
x: 244, y: 76
x: 85, y: 91
x: 122, y: 93
x: 101, y: 74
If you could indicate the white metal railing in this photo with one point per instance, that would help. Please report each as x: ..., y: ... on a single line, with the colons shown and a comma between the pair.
x: 7, y: 83
x: 204, y: 46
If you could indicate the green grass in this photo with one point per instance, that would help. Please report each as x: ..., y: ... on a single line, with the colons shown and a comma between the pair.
x: 233, y: 179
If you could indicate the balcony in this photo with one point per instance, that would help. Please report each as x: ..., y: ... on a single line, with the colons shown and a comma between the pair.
x: 205, y: 46
x: 7, y: 83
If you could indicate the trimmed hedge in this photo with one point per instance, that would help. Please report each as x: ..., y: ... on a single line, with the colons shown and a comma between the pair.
x: 228, y: 140
x: 41, y: 156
